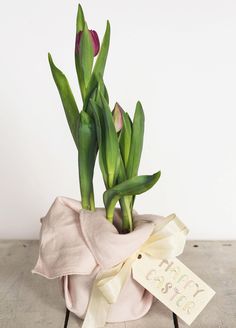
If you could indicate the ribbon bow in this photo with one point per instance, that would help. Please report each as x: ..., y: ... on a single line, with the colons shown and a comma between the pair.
x: 166, y: 241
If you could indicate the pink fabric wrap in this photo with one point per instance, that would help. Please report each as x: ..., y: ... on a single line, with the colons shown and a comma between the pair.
x: 76, y: 244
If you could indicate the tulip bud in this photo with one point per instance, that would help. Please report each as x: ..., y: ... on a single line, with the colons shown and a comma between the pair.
x: 94, y: 39
x: 118, y: 117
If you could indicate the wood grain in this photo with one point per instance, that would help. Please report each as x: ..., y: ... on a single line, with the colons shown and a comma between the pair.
x: 30, y: 301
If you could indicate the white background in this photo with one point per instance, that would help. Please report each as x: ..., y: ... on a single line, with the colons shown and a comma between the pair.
x: 177, y: 57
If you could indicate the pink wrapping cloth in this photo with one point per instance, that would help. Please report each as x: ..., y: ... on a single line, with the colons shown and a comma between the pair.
x: 76, y: 244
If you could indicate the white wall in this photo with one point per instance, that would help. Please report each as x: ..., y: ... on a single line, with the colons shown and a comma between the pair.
x: 177, y: 57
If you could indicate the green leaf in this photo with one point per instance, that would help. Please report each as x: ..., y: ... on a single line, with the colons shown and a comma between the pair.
x: 133, y: 186
x: 84, y: 60
x: 87, y: 142
x: 102, y: 89
x: 109, y: 153
x: 102, y: 57
x: 67, y: 98
x: 111, y: 144
x: 98, y: 118
x: 125, y: 139
x: 80, y: 21
x: 96, y: 92
x: 100, y: 64
x: 86, y: 54
x: 136, y: 142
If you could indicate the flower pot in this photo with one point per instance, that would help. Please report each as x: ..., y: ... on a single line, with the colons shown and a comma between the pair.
x: 77, y: 245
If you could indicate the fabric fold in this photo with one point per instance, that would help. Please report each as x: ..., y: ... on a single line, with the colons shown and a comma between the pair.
x: 76, y: 245
x: 63, y: 250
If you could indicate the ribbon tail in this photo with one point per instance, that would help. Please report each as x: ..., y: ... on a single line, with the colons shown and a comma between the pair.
x: 105, y: 291
x: 98, y: 309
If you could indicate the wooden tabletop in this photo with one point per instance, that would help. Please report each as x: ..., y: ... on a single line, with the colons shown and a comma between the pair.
x: 30, y: 301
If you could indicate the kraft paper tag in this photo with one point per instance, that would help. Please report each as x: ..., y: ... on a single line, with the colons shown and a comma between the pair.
x: 174, y: 285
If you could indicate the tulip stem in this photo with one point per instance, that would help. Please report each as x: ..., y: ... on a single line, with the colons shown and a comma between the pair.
x: 88, y: 202
x: 92, y: 203
x: 85, y: 204
x: 127, y: 218
x: 110, y: 214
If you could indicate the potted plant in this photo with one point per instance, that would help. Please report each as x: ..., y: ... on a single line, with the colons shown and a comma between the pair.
x: 91, y: 250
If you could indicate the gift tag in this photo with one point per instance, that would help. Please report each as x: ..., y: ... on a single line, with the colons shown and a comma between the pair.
x: 170, y: 281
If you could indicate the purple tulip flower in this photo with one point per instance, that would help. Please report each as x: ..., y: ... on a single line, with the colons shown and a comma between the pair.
x: 118, y: 117
x: 94, y: 39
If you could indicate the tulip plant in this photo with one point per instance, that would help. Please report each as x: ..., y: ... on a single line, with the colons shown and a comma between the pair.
x: 113, y: 135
